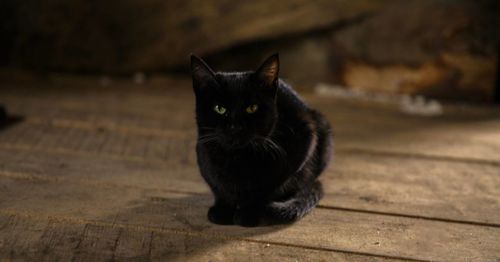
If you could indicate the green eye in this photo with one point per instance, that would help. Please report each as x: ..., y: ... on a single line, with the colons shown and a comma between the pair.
x: 251, y: 109
x: 220, y: 109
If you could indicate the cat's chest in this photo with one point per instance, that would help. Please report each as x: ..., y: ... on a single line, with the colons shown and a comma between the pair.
x: 246, y: 163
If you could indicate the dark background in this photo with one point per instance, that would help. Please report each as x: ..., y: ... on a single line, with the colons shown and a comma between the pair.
x: 446, y: 49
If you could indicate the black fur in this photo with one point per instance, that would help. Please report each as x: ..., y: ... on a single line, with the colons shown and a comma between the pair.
x: 262, y: 167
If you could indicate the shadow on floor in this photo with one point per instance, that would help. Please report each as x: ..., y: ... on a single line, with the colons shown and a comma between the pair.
x: 180, y: 229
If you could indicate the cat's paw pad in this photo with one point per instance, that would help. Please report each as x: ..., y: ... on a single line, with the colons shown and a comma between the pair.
x: 220, y: 216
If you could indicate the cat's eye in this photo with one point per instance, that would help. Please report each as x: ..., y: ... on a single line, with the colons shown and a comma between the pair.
x: 252, y: 109
x: 220, y: 109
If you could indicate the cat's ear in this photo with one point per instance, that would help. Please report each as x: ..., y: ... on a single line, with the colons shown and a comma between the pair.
x: 268, y: 71
x: 202, y: 74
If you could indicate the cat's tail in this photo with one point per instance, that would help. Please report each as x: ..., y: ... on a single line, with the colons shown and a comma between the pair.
x: 295, y: 208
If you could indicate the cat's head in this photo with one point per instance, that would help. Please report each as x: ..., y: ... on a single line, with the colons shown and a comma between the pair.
x: 235, y: 108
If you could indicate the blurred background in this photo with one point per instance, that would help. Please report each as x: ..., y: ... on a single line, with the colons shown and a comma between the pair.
x: 445, y: 49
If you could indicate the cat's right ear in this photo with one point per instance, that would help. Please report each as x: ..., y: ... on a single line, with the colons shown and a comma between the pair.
x: 202, y: 74
x: 268, y: 71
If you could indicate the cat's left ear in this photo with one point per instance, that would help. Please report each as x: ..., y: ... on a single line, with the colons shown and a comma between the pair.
x: 268, y: 71
x: 202, y: 74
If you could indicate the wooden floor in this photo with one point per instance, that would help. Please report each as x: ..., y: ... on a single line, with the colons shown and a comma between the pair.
x: 97, y: 173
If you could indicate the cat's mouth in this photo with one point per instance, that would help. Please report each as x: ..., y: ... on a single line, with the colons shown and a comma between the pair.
x: 237, y: 142
x: 227, y: 140
x: 240, y: 140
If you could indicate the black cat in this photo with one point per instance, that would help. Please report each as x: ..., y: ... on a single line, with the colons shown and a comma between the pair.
x: 260, y: 147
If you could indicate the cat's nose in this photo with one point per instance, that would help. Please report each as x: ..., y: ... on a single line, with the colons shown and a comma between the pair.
x: 235, y: 128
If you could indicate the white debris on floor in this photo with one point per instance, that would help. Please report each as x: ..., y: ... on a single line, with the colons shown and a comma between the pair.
x: 420, y: 106
x: 417, y: 105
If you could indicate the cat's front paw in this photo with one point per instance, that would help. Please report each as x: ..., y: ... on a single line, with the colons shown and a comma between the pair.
x: 220, y: 215
x: 247, y: 218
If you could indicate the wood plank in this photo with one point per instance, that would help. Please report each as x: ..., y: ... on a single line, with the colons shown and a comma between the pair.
x: 171, y: 149
x: 11, y: 245
x: 414, y: 187
x: 460, y: 135
x: 57, y: 243
x: 145, y: 110
x: 423, y: 188
x: 455, y: 135
x: 98, y: 243
x: 380, y: 235
x: 77, y: 239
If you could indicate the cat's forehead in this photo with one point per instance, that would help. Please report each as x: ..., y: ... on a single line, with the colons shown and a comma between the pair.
x: 234, y: 82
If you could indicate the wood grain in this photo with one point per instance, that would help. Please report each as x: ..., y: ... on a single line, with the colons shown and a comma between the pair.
x: 102, y: 175
x: 380, y: 235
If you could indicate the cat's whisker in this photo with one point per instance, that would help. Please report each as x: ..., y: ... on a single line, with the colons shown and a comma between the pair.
x: 207, y: 128
x: 276, y: 151
x: 269, y: 149
x: 281, y: 151
x: 208, y: 138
